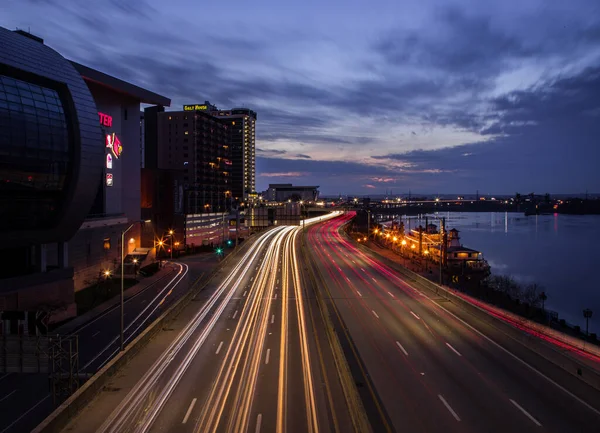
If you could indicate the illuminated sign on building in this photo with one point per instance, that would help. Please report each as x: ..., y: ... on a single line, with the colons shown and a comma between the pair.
x: 105, y: 119
x: 114, y: 144
x: 108, y: 160
x: 109, y: 179
x: 195, y: 107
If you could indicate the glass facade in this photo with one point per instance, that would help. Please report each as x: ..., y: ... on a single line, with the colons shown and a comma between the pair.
x: 35, y: 154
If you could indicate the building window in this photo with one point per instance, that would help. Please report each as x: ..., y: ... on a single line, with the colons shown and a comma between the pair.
x: 107, y: 243
x: 170, y: 118
x: 185, y: 124
x: 33, y: 130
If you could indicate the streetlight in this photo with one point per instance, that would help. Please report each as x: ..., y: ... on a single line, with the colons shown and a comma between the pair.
x: 123, y: 278
x: 587, y: 313
x: 171, y: 235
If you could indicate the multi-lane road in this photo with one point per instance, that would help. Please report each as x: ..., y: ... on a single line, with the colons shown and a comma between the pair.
x: 25, y: 399
x: 251, y: 358
x: 431, y: 369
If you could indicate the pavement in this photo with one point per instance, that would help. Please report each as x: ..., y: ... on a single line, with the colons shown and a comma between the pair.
x: 434, y: 366
x: 247, y: 354
x: 26, y: 399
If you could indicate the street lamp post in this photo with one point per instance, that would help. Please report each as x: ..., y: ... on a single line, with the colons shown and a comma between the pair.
x: 171, y: 235
x: 587, y: 313
x: 123, y: 279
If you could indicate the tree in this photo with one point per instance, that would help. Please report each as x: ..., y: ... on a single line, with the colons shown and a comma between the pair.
x: 547, y: 198
x: 517, y: 198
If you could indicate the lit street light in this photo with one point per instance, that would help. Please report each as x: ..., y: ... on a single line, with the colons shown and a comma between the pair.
x: 123, y: 278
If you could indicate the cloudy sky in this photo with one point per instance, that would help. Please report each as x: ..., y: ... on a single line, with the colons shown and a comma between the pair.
x: 361, y: 97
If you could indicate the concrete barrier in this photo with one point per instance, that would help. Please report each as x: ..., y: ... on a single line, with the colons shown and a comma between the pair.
x: 62, y: 415
x: 586, y: 372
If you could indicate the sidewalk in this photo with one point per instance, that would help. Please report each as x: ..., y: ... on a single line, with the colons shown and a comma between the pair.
x: 144, y: 283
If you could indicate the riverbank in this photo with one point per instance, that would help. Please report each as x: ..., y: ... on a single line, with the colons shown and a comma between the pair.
x: 505, y: 295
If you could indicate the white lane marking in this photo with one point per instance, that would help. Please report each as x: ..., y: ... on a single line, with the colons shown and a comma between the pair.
x: 234, y: 314
x: 508, y: 352
x: 277, y: 281
x: 95, y: 334
x: 375, y: 314
x: 453, y: 349
x: 359, y: 294
x: 24, y: 414
x: 251, y: 279
x: 362, y: 270
x: 275, y: 297
x: 353, y: 262
x: 219, y: 348
x: 348, y: 279
x: 391, y: 294
x: 373, y: 279
x: 402, y: 348
x: 256, y: 268
x: 245, y: 293
x: 273, y: 318
x: 258, y: 422
x: 189, y: 411
x: 449, y: 408
x: 7, y: 395
x: 417, y: 317
x: 527, y: 414
x: 268, y: 356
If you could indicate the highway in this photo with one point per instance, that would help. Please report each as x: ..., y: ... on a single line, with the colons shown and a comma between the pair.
x: 432, y: 370
x: 250, y: 359
x: 29, y: 400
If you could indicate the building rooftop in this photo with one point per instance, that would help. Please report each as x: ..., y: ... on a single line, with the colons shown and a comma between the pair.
x: 120, y: 86
x: 461, y: 249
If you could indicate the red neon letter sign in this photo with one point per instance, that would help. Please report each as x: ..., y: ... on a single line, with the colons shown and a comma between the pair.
x: 105, y: 119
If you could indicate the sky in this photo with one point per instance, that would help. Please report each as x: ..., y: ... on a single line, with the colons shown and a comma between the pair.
x: 366, y: 97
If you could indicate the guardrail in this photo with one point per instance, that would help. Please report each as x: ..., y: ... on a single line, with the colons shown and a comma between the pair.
x: 575, y: 367
x: 62, y: 415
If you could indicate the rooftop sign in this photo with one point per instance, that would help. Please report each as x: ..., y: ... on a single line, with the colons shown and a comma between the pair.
x: 195, y: 107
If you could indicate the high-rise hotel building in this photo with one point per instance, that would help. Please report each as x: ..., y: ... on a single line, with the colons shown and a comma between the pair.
x: 194, y: 146
x: 241, y: 124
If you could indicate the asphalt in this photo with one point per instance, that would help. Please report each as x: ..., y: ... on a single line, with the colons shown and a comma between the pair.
x: 28, y: 398
x: 432, y: 369
x: 251, y: 357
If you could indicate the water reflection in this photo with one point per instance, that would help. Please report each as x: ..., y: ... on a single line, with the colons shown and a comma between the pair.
x: 556, y: 251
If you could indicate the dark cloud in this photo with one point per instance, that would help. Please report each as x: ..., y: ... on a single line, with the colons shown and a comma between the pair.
x: 270, y: 152
x: 549, y: 143
x: 301, y: 155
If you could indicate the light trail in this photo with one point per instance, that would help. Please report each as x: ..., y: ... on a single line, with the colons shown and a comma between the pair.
x: 234, y: 385
x: 124, y: 417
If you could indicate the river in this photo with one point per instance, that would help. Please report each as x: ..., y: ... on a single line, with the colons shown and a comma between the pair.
x: 555, y: 251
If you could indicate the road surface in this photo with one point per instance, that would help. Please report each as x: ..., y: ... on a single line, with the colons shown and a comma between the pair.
x: 251, y: 358
x: 25, y: 399
x: 433, y: 371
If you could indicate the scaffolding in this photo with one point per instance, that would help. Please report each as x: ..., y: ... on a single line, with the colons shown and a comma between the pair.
x: 57, y: 356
